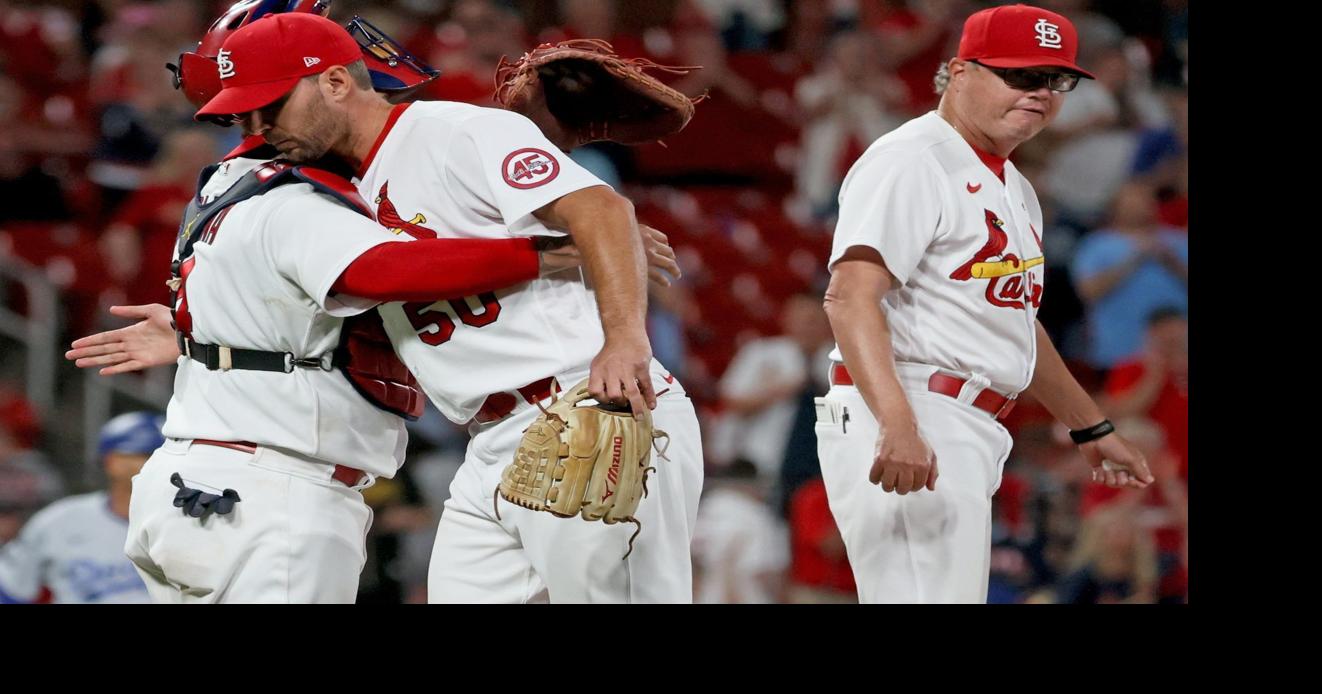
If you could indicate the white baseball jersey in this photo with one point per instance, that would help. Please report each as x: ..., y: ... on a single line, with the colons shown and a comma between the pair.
x: 965, y: 247
x: 761, y: 436
x: 451, y: 170
x: 261, y: 279
x: 75, y: 549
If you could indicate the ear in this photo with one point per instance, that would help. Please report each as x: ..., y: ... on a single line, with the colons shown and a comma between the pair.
x: 336, y: 83
x: 957, y: 67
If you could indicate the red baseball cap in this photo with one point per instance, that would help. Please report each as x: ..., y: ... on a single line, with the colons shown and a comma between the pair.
x: 265, y: 60
x: 1020, y: 36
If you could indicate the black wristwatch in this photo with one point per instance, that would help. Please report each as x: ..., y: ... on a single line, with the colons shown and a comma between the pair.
x: 1092, y: 433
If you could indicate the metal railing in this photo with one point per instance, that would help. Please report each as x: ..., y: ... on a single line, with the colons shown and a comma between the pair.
x: 38, y: 331
x: 149, y: 390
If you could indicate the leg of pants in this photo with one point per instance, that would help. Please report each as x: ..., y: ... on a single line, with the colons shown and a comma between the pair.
x: 478, y: 558
x: 294, y: 537
x: 923, y: 547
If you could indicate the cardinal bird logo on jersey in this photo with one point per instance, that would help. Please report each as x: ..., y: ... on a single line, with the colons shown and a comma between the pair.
x: 388, y: 217
x: 1009, y: 283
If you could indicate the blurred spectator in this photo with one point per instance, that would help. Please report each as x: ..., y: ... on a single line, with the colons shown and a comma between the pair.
x: 1156, y: 384
x: 800, y: 463
x: 40, y: 47
x: 846, y: 104
x: 593, y: 19
x: 745, y: 25
x: 139, y: 243
x: 1128, y: 270
x: 1163, y: 161
x: 393, y: 572
x: 740, y: 548
x: 916, y: 37
x: 809, y: 30
x: 1162, y: 509
x: 27, y: 137
x: 27, y: 480
x: 669, y: 311
x: 72, y: 551
x: 819, y: 568
x: 1010, y: 576
x: 1113, y: 561
x: 468, y: 47
x: 698, y: 43
x: 1095, y: 134
x: 761, y: 385
x: 138, y: 105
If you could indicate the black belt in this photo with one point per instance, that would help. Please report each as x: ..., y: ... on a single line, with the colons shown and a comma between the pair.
x: 217, y: 358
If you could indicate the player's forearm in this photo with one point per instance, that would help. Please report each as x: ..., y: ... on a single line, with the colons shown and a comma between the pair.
x: 1056, y: 388
x: 865, y: 343
x: 606, y: 235
x: 430, y: 269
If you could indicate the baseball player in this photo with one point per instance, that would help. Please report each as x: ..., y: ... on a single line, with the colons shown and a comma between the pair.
x: 281, y: 411
x: 450, y: 170
x: 936, y: 278
x: 72, y: 550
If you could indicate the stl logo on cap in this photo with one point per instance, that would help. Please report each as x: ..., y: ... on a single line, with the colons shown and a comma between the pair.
x: 1048, y: 34
x: 226, y: 66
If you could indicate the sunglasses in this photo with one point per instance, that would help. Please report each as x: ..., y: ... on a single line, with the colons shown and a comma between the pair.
x: 1032, y: 79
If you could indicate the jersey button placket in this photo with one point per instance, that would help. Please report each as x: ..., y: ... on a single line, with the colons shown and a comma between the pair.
x: 1020, y: 223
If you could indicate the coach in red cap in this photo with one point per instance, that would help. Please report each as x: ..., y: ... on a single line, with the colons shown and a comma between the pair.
x: 936, y: 279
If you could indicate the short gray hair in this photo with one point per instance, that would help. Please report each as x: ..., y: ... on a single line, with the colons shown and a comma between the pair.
x: 942, y: 78
x: 360, y: 74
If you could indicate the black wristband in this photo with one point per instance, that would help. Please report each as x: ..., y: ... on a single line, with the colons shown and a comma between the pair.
x: 1093, y: 432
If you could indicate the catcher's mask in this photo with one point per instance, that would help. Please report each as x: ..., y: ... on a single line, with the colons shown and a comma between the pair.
x: 394, y: 70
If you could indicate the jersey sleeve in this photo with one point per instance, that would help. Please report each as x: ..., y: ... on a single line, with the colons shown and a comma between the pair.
x: 890, y: 202
x: 311, y: 239
x: 505, y: 161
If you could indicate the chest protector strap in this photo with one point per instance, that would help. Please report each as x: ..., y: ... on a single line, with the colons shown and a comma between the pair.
x: 364, y: 354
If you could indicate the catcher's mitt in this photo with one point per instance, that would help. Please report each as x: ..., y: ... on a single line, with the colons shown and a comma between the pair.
x: 589, y: 460
x: 580, y: 91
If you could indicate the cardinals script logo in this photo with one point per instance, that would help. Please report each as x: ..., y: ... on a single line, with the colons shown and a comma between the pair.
x: 1009, y: 283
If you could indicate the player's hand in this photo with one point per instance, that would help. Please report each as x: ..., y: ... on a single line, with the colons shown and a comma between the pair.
x: 147, y: 343
x: 1116, y: 462
x: 556, y: 260
x: 660, y: 256
x: 903, y: 461
x: 621, y: 373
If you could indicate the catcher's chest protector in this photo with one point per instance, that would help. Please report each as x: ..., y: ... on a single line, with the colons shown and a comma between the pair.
x: 365, y: 354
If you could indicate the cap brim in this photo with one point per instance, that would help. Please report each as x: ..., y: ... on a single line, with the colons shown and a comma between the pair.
x: 237, y: 100
x: 1034, y: 61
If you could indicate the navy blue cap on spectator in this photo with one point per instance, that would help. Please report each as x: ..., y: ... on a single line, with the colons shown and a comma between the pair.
x: 135, y: 432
